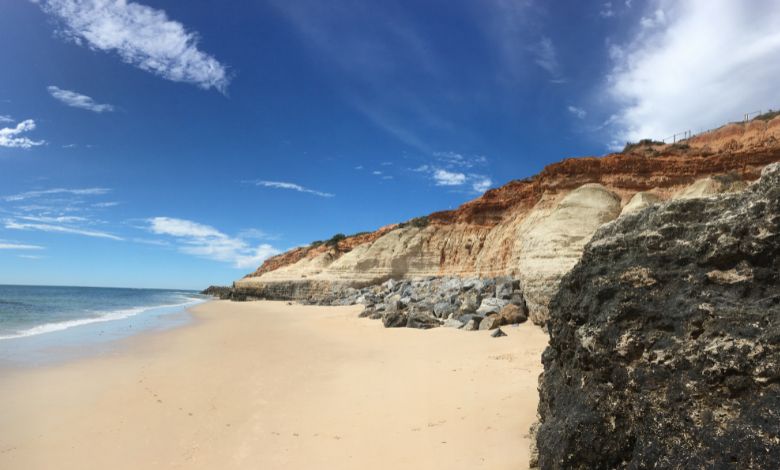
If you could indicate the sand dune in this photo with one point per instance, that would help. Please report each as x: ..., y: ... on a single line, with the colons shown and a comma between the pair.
x: 266, y: 385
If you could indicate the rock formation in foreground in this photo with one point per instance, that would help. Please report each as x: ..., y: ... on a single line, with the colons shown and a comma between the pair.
x: 665, y: 340
x: 533, y: 230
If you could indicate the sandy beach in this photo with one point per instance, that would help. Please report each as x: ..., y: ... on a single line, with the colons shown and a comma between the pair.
x: 264, y: 385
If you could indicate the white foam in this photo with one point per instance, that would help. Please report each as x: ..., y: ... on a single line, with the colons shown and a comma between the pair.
x: 108, y: 316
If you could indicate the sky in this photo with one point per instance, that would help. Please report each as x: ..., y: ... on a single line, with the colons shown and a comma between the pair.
x: 167, y: 144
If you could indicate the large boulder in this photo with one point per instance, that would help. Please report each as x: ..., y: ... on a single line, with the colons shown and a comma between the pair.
x: 394, y: 319
x: 422, y: 321
x: 512, y: 314
x: 665, y: 340
x: 491, y: 305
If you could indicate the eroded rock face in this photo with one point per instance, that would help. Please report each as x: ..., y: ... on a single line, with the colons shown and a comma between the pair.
x: 532, y: 229
x: 665, y: 340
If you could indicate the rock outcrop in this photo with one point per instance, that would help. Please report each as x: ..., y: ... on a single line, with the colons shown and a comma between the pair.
x: 532, y: 229
x: 665, y: 340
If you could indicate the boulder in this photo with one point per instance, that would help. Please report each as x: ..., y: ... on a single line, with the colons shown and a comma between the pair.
x: 394, y: 319
x: 504, y: 287
x: 443, y: 309
x: 471, y: 322
x: 422, y: 321
x: 490, y: 322
x: 491, y: 305
x: 511, y: 314
x: 452, y: 323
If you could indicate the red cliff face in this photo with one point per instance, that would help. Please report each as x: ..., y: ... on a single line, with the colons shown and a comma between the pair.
x: 536, y: 228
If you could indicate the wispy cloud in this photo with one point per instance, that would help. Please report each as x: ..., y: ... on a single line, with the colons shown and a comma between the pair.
x: 18, y: 246
x: 55, y: 191
x: 13, y: 224
x: 692, y: 65
x: 4, y: 118
x: 142, y: 36
x: 291, y: 186
x: 546, y: 57
x: 606, y: 10
x: 10, y: 136
x: 77, y: 100
x: 577, y: 112
x: 208, y: 242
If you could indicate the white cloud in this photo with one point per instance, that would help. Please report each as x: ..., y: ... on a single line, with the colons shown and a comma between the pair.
x: 291, y: 186
x: 376, y: 172
x: 207, y: 242
x: 9, y: 136
x: 448, y: 178
x: 77, y: 100
x: 6, y: 118
x: 142, y: 36
x: 578, y: 112
x: 693, y: 65
x: 49, y: 192
x: 31, y: 256
x: 14, y: 225
x: 18, y: 246
x: 481, y: 183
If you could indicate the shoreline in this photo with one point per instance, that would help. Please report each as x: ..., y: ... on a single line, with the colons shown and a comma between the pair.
x: 265, y: 384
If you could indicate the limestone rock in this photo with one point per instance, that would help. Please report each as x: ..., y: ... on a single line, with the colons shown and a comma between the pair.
x: 665, y: 340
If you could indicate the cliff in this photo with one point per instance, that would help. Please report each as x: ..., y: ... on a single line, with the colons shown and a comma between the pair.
x: 665, y: 340
x: 533, y: 229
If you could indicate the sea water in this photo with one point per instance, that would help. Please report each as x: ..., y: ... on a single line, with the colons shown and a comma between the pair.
x: 46, y: 323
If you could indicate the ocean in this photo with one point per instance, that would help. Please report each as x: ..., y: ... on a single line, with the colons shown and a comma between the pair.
x: 39, y: 322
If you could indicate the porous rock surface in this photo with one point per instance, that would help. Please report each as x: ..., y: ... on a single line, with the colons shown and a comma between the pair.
x: 665, y: 340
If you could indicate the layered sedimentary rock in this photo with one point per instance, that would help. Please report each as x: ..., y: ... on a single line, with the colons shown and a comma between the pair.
x: 665, y: 340
x: 532, y: 229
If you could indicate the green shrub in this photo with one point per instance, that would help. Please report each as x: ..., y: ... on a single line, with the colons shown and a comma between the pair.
x: 767, y: 116
x: 335, y: 239
x: 417, y: 222
x: 642, y: 143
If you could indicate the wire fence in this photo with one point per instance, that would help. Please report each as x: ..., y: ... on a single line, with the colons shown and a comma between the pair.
x: 685, y: 135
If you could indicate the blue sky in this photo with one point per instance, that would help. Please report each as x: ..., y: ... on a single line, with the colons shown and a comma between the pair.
x: 178, y: 144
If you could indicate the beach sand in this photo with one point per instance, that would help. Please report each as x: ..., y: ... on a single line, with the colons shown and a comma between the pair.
x: 264, y: 385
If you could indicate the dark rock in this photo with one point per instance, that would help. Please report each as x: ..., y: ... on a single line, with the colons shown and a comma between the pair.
x: 471, y: 322
x: 498, y: 333
x: 443, y: 309
x: 221, y: 292
x: 394, y: 319
x: 367, y: 312
x: 422, y: 321
x: 665, y: 340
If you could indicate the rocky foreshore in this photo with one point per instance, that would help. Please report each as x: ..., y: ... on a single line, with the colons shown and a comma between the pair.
x: 469, y: 304
x: 665, y: 340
